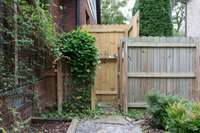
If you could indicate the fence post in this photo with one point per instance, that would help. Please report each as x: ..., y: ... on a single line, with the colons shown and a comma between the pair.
x: 125, y: 77
x: 93, y: 98
x: 197, y: 91
x: 59, y: 86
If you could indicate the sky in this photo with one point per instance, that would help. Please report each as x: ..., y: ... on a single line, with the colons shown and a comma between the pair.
x: 127, y: 10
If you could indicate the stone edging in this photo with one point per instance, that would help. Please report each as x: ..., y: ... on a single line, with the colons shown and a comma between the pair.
x: 73, y: 126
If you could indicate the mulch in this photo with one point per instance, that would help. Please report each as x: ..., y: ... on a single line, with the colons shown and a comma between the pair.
x: 49, y: 127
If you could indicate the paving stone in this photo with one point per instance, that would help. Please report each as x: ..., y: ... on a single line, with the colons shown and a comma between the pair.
x: 110, y: 124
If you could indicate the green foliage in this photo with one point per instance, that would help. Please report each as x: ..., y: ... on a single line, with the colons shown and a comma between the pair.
x: 7, y: 80
x: 33, y: 26
x: 84, y: 114
x: 157, y: 105
x: 176, y: 116
x: 155, y: 18
x: 136, y: 7
x: 111, y: 13
x: 79, y: 101
x: 11, y: 115
x: 173, y: 114
x: 79, y: 50
x: 35, y: 23
x: 183, y: 117
x: 78, y: 47
x: 137, y: 114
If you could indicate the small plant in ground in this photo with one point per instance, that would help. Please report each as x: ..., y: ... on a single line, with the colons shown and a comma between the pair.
x: 183, y: 117
x: 175, y: 115
x: 85, y: 114
x: 10, y: 119
x: 157, y: 105
x: 137, y: 114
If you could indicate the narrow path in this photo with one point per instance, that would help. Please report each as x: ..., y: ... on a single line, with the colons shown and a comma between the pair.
x: 109, y: 124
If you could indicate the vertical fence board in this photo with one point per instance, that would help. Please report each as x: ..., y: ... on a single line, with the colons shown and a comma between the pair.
x: 165, y: 65
x: 106, y: 91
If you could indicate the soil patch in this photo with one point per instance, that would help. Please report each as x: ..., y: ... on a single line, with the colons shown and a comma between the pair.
x: 49, y: 127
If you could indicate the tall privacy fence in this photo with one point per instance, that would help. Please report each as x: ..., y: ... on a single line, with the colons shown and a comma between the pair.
x: 106, y: 91
x: 151, y: 64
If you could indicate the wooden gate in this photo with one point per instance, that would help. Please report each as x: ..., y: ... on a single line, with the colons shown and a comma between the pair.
x: 165, y: 65
x: 108, y: 37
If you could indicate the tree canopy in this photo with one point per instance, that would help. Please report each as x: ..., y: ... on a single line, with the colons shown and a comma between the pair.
x: 111, y: 13
x: 155, y: 18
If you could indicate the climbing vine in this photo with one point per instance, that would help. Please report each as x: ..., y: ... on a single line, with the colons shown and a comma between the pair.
x: 35, y: 32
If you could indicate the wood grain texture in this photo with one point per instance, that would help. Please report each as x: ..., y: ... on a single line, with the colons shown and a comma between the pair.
x: 108, y: 39
x: 167, y: 65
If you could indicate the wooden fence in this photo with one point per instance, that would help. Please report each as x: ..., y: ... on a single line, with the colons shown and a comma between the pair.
x: 108, y: 38
x: 167, y: 65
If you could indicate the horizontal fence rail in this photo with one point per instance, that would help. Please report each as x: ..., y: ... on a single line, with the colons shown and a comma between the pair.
x: 165, y: 65
x: 106, y: 91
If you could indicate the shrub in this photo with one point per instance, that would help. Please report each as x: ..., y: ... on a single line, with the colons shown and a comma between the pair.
x: 183, y: 117
x: 155, y: 18
x: 177, y: 116
x: 79, y: 50
x: 174, y: 114
x: 157, y: 105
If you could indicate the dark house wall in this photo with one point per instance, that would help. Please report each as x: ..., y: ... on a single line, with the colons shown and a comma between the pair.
x: 66, y: 15
x: 87, y: 13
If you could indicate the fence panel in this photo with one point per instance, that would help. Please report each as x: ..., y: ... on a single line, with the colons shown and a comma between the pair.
x: 108, y: 38
x: 165, y: 65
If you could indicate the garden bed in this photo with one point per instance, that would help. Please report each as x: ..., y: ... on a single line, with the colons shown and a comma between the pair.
x: 49, y: 125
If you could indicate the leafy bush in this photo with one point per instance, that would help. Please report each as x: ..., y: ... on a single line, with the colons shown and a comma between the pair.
x: 79, y: 50
x: 183, y: 117
x: 174, y: 114
x: 157, y: 108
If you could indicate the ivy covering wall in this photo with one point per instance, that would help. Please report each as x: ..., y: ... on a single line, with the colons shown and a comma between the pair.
x: 155, y: 18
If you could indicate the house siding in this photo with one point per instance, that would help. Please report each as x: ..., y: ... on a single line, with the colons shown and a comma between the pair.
x: 193, y: 18
x: 86, y: 10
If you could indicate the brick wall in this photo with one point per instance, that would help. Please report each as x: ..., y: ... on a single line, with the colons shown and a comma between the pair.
x: 69, y: 15
x: 46, y: 90
x: 57, y: 14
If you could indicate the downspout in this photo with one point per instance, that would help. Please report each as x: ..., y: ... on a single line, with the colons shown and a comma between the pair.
x: 77, y: 13
x: 98, y: 8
